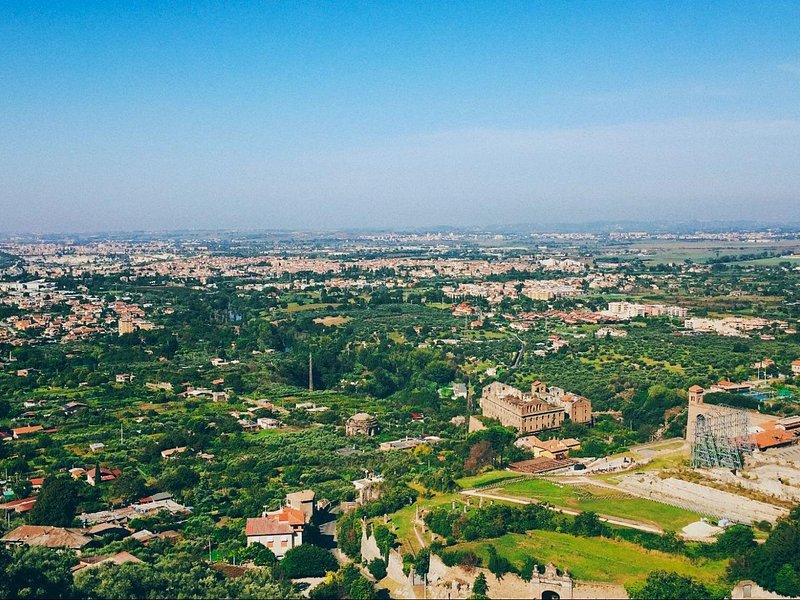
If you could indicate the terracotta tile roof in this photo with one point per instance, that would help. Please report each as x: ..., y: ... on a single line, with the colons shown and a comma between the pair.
x: 292, y: 516
x: 20, y: 505
x: 51, y: 537
x: 25, y: 430
x: 266, y: 526
x: 772, y: 438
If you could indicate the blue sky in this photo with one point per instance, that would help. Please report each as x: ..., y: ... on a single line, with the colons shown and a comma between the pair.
x: 307, y: 115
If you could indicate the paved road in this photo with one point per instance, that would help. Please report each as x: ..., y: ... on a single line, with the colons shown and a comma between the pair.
x: 566, y: 511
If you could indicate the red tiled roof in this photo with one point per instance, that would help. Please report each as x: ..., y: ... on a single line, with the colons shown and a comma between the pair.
x: 266, y: 526
x: 28, y: 429
x: 20, y: 505
x: 771, y: 438
x: 293, y: 516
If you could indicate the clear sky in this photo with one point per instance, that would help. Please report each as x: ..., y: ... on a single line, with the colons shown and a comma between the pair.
x: 157, y: 115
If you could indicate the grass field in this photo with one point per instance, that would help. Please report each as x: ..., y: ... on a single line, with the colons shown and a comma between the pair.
x: 772, y: 262
x: 594, y: 559
x: 402, y: 520
x: 294, y: 307
x: 604, y: 502
x: 466, y: 483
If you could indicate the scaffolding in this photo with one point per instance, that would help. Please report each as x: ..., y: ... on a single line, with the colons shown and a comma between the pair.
x: 721, y: 439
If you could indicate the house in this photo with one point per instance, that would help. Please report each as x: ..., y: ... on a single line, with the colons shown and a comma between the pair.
x: 123, y: 377
x: 49, y: 537
x: 280, y: 531
x: 459, y: 390
x: 70, y: 408
x: 18, y: 432
x: 36, y: 483
x: 268, y: 423
x: 77, y: 472
x: 362, y: 424
x: 96, y: 446
x: 173, y: 452
x: 302, y: 501
x: 796, y: 367
x: 19, y: 506
x: 556, y: 449
x: 415, y: 416
x: 730, y: 387
x: 105, y: 475
x: 157, y: 506
x: 94, y: 561
x: 404, y: 444
x: 763, y: 364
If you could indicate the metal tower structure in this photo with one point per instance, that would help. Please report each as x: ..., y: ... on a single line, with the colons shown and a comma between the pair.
x: 721, y: 439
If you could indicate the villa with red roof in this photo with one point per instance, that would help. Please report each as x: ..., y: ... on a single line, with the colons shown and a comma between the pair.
x: 280, y: 530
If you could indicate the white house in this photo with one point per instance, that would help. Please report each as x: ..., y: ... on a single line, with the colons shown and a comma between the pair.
x: 279, y: 531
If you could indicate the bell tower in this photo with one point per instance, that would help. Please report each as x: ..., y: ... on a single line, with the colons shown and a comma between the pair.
x: 696, y: 394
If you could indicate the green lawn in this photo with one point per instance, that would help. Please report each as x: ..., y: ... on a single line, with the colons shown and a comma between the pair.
x: 604, y: 502
x: 484, y: 479
x: 295, y: 307
x: 594, y: 559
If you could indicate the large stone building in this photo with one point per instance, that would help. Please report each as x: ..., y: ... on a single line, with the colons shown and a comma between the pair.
x: 543, y: 408
x: 362, y: 424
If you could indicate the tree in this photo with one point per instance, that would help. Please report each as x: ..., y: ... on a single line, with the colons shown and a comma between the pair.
x: 480, y: 454
x: 385, y: 539
x: 180, y: 479
x: 307, y: 560
x: 348, y: 533
x: 56, y: 503
x: 377, y: 568
x: 498, y: 565
x: 129, y: 486
x: 787, y: 581
x: 663, y: 584
x: 422, y: 562
x: 35, y: 572
x: 480, y: 587
x: 735, y: 540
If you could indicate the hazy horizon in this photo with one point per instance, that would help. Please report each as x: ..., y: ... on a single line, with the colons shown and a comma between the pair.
x: 396, y: 115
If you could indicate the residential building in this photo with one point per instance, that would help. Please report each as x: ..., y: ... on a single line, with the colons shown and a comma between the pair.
x: 105, y: 475
x: 302, y: 501
x: 125, y: 326
x: 555, y: 449
x: 49, y: 537
x: 280, y: 531
x: 459, y: 390
x: 796, y: 367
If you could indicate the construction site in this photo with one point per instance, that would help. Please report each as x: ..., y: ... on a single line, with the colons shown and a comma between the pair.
x: 733, y: 466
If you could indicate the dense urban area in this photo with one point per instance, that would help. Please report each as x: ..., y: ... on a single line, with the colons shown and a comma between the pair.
x: 442, y: 414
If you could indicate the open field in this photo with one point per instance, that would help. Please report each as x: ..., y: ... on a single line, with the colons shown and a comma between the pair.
x: 295, y: 307
x: 603, y: 502
x: 594, y: 559
x: 774, y: 261
x: 485, y: 479
x: 332, y: 320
